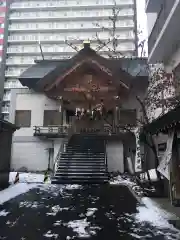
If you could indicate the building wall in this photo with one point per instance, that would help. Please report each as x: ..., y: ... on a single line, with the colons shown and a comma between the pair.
x: 59, y: 21
x: 28, y: 151
x: 5, y: 153
x: 115, y: 156
x: 151, y: 19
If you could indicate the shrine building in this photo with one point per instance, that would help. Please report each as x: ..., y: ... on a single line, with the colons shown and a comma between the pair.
x: 74, y: 113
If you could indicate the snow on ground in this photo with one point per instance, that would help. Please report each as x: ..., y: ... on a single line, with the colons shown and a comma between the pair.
x: 152, y: 174
x: 55, y: 209
x: 4, y: 213
x: 148, y: 211
x: 72, y: 186
x: 90, y: 211
x: 83, y: 228
x: 152, y: 213
x: 79, y: 226
x: 120, y: 179
x: 51, y: 235
x: 27, y: 177
x: 15, y: 190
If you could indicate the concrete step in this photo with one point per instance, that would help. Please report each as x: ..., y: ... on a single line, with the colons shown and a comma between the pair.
x: 83, y: 159
x: 77, y: 173
x: 87, y: 165
x: 79, y: 181
x: 80, y: 177
x: 80, y: 169
x: 67, y: 155
x: 82, y: 155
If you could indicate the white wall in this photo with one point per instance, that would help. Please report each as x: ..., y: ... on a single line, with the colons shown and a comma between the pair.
x: 31, y: 155
x: 151, y: 19
x: 28, y: 151
x: 37, y: 103
x: 115, y: 156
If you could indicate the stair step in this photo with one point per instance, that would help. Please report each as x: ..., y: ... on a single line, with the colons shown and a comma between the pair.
x: 80, y: 173
x: 82, y: 158
x: 79, y: 181
x: 81, y: 177
x: 81, y: 164
x: 79, y: 169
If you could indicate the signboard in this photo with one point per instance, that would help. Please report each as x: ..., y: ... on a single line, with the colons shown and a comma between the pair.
x: 138, y: 160
x: 164, y: 166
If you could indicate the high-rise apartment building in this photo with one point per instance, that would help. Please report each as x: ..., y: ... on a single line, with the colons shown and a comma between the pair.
x: 163, y: 18
x: 52, y: 22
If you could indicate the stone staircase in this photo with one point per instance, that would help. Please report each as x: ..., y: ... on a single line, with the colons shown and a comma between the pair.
x: 84, y: 161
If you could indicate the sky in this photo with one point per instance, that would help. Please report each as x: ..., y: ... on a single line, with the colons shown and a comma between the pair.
x: 142, y: 22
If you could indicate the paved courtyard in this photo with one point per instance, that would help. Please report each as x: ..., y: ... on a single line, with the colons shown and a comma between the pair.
x: 102, y: 212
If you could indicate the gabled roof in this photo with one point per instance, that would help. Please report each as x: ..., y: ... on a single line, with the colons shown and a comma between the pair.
x: 44, y: 73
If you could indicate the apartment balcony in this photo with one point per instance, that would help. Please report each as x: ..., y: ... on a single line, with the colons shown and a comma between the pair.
x: 121, y: 38
x: 70, y: 18
x: 25, y: 6
x: 19, y: 63
x: 58, y: 54
x: 165, y: 34
x: 5, y: 109
x: 47, y: 29
x: 14, y: 74
x: 6, y: 97
x: 152, y: 6
x: 15, y: 84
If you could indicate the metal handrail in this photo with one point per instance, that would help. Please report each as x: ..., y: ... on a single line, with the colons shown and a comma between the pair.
x: 56, y: 129
x: 62, y: 149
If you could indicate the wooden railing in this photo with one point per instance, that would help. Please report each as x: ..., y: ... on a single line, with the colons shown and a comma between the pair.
x: 68, y: 130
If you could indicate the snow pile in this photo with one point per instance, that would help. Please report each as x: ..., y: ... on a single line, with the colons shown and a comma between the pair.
x: 57, y: 223
x: 83, y: 228
x: 90, y: 211
x: 150, y: 212
x: 15, y: 190
x: 152, y: 174
x: 124, y: 180
x: 51, y: 235
x: 27, y: 177
x: 3, y: 213
x: 80, y: 226
x: 55, y: 209
x: 72, y: 186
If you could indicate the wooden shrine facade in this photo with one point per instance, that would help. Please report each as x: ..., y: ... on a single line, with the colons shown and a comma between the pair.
x: 87, y: 84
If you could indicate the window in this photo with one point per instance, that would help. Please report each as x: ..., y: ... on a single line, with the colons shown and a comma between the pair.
x: 127, y: 117
x: 51, y: 118
x: 23, y: 118
x: 162, y: 147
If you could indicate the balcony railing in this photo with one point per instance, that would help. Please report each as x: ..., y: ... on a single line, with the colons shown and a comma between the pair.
x: 5, y: 109
x: 64, y: 131
x: 51, y: 131
x: 160, y: 21
x: 6, y: 98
